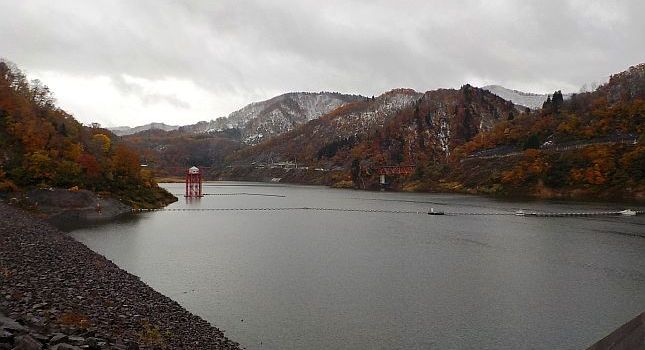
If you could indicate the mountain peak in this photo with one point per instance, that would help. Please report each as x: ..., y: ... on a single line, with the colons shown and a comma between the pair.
x: 127, y: 130
x: 277, y: 115
x: 628, y: 84
x: 400, y: 91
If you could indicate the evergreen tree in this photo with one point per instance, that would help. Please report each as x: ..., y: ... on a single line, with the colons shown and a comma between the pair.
x: 547, y: 103
x: 533, y: 142
x: 557, y: 100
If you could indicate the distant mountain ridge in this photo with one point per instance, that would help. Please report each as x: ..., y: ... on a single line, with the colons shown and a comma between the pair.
x: 526, y: 99
x: 210, y: 142
x: 127, y: 130
x: 488, y: 140
x: 398, y: 126
x: 261, y: 120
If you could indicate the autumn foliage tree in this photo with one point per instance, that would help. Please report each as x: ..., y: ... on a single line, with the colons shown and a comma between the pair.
x: 42, y: 145
x: 594, y: 141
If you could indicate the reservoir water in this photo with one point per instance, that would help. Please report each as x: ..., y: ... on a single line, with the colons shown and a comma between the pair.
x: 306, y: 279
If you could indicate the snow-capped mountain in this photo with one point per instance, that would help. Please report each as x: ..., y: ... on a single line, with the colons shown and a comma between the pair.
x: 260, y: 120
x: 126, y: 130
x: 397, y: 124
x: 341, y: 126
x: 374, y: 114
x: 526, y: 99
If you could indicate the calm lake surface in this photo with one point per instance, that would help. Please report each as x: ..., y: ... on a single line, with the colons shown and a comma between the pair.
x: 298, y: 279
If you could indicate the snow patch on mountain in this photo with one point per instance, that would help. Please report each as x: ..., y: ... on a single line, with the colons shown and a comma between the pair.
x: 526, y: 99
x: 380, y: 109
x: 260, y: 120
x: 126, y: 130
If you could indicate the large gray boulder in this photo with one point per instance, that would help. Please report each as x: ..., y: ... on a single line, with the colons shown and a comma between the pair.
x: 26, y: 342
x: 11, y: 325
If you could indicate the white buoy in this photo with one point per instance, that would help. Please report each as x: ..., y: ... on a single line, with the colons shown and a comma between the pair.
x: 628, y: 212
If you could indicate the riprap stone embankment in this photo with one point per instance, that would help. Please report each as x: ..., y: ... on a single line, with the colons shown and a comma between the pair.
x: 51, y: 283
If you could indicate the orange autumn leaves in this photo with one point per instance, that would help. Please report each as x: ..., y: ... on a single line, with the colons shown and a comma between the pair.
x: 42, y: 145
x: 532, y: 166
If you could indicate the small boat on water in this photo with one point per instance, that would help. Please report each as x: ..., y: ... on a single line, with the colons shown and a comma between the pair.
x: 520, y: 213
x: 432, y: 212
x: 628, y: 212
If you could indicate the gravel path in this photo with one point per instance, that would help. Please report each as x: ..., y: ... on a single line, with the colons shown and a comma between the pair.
x: 51, y: 283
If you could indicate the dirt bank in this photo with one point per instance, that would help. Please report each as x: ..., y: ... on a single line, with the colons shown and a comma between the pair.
x: 61, y: 204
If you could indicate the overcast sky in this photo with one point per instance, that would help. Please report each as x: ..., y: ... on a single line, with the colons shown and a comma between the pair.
x: 133, y: 62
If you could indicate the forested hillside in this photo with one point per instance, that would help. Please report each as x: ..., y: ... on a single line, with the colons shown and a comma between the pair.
x: 469, y: 140
x: 170, y: 153
x: 326, y: 139
x: 590, y: 145
x: 465, y: 140
x: 399, y: 127
x: 43, y: 146
x: 262, y: 120
x: 170, y: 150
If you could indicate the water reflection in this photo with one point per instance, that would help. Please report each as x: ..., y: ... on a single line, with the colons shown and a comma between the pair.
x: 194, y: 202
x: 126, y: 220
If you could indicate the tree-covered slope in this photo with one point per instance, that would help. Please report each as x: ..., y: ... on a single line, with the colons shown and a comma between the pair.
x: 469, y: 140
x: 590, y: 145
x: 400, y: 126
x: 43, y: 146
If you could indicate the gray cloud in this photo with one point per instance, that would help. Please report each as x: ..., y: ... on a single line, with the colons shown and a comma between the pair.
x: 254, y: 49
x: 146, y: 97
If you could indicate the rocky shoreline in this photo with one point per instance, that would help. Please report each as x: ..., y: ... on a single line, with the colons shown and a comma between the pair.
x: 54, y: 291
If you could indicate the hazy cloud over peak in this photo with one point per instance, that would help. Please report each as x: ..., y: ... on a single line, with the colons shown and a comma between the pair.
x: 133, y: 62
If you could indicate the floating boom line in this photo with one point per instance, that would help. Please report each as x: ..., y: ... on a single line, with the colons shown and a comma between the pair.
x: 416, y: 212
